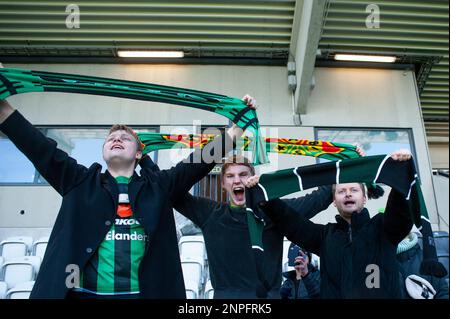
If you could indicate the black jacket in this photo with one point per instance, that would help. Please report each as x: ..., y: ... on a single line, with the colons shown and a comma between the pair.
x: 227, y: 240
x: 306, y: 288
x: 89, y: 206
x: 351, y: 256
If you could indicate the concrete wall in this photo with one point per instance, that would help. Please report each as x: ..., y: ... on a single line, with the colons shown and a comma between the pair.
x: 439, y: 155
x: 342, y: 97
x: 441, y: 186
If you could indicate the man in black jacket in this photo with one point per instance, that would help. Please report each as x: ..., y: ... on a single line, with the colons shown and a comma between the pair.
x: 358, y: 253
x: 115, y: 231
x: 224, y: 226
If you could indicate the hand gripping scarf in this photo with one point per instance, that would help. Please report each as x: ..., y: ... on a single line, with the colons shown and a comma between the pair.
x: 17, y: 81
x: 401, y: 176
x: 322, y: 149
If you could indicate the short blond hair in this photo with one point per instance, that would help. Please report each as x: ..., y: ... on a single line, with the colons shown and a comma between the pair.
x: 237, y: 159
x: 129, y: 130
x: 363, y: 188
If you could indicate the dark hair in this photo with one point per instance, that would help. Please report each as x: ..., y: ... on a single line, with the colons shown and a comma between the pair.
x: 237, y: 160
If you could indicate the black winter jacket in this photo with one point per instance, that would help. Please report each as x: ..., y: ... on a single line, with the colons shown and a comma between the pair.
x: 306, y: 288
x: 89, y: 207
x: 357, y: 261
x: 227, y: 240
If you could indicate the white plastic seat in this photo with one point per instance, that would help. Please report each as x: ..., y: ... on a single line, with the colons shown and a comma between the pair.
x: 315, y: 261
x: 441, y: 242
x: 286, y: 244
x: 20, y: 291
x: 209, y: 290
x: 39, y: 247
x: 2, y: 260
x: 20, y: 269
x: 192, y: 271
x: 191, y: 289
x: 16, y: 246
x: 444, y: 261
x: 192, y: 246
x: 3, y: 289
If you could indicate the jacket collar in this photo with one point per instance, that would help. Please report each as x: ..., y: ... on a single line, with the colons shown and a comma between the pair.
x: 358, y: 220
x: 110, y: 184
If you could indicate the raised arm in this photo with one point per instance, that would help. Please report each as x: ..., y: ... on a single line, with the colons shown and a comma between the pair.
x: 60, y: 170
x: 188, y: 172
x: 197, y: 209
x: 311, y: 204
x: 397, y: 221
x: 294, y: 226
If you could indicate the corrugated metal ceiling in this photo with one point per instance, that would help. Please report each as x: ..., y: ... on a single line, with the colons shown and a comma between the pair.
x: 416, y: 31
x: 259, y: 30
x: 204, y: 27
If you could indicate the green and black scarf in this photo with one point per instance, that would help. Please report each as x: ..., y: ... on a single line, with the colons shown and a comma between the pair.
x: 17, y: 81
x: 323, y: 149
x: 400, y: 175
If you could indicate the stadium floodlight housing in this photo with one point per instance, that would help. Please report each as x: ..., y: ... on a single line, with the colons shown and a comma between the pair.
x: 149, y: 54
x: 365, y: 58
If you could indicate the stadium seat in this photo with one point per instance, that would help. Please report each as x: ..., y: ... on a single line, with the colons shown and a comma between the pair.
x: 315, y: 261
x: 441, y: 241
x: 286, y: 244
x: 209, y: 291
x: 192, y: 270
x: 20, y: 269
x: 444, y: 261
x: 39, y: 247
x: 192, y: 246
x: 20, y: 291
x: 3, y: 289
x: 2, y: 260
x: 15, y: 246
x: 191, y: 289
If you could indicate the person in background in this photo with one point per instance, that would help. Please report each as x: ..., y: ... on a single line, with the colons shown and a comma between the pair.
x: 303, y: 282
x: 417, y: 286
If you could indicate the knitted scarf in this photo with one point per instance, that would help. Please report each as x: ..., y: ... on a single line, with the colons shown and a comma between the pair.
x: 401, y: 176
x: 322, y: 149
x: 17, y: 81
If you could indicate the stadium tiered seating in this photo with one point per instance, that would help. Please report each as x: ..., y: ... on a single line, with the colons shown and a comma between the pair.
x: 192, y: 246
x: 193, y: 273
x: 20, y: 291
x: 3, y: 289
x: 16, y: 246
x: 441, y: 241
x: 1, y: 266
x: 209, y: 291
x: 286, y: 244
x: 192, y: 289
x: 20, y: 269
x: 39, y: 247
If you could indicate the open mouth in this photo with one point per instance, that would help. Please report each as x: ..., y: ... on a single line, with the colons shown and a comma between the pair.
x: 239, y: 194
x: 349, y: 202
x: 117, y: 147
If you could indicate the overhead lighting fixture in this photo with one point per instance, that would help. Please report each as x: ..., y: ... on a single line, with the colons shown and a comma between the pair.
x: 150, y: 54
x: 365, y: 58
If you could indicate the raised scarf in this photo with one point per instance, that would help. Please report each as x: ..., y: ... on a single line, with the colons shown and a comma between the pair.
x: 322, y: 149
x: 17, y: 81
x: 401, y: 176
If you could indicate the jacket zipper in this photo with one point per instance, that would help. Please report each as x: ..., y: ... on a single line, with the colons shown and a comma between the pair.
x: 350, y: 233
